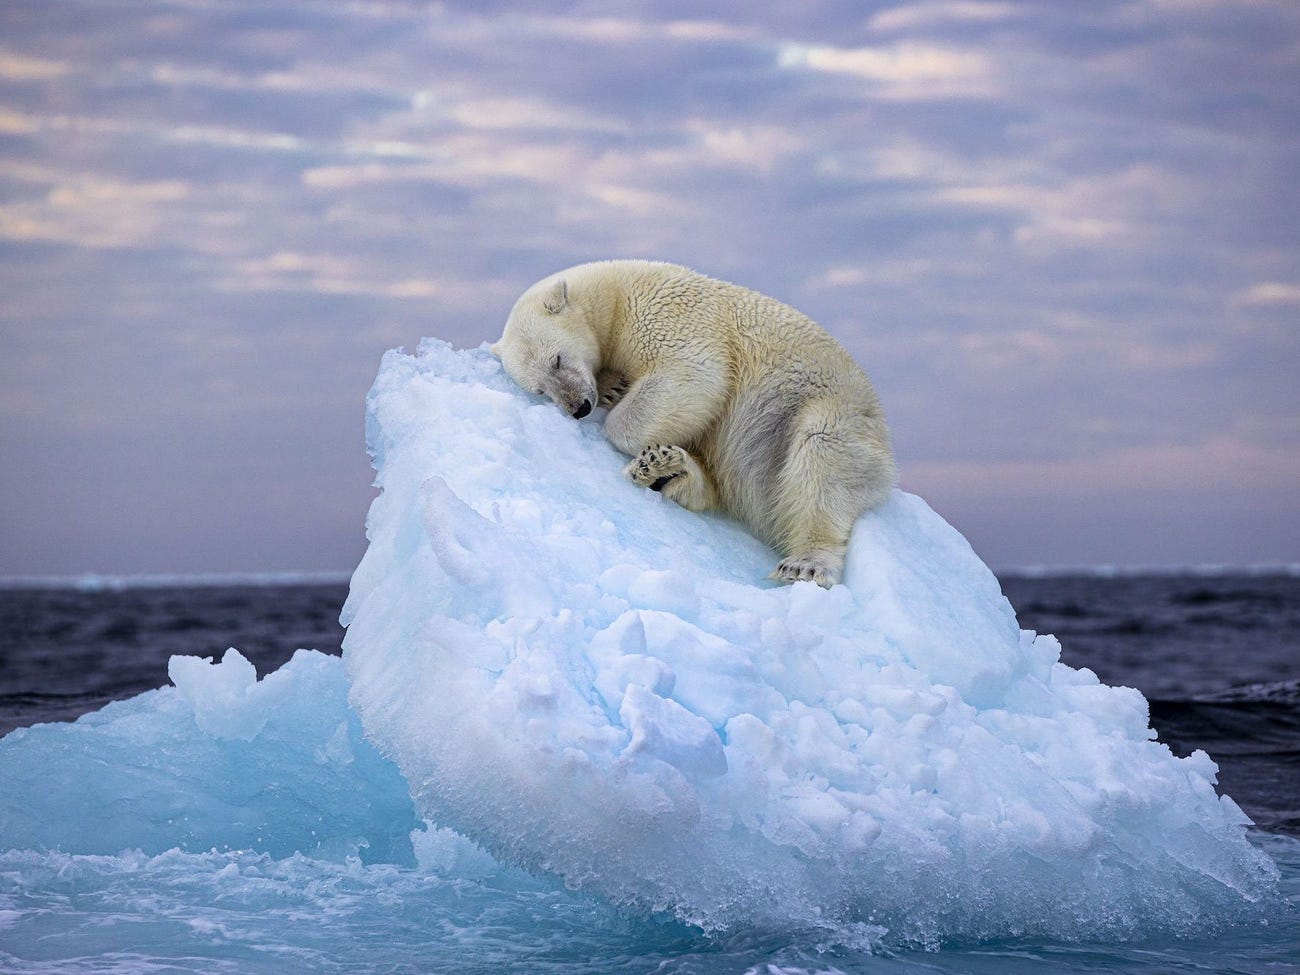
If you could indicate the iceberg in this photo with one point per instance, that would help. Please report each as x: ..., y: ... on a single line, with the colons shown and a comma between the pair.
x: 554, y: 678
x: 593, y: 683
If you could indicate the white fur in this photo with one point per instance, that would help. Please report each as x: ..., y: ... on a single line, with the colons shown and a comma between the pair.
x: 723, y: 396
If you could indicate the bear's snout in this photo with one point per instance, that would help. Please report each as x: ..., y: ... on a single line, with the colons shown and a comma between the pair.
x: 582, y: 410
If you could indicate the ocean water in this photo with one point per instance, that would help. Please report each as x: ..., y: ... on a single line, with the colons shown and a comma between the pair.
x: 1217, y: 655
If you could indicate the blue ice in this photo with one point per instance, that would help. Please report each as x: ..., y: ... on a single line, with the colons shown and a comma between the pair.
x: 221, y: 761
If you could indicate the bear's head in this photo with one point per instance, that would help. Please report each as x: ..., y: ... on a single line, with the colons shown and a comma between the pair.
x: 549, y: 348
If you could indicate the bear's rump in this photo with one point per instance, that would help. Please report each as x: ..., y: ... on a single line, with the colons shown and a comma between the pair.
x: 747, y: 450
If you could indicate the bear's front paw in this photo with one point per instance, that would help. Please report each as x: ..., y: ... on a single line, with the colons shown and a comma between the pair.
x: 657, y: 465
x: 611, y: 387
x: 806, y: 569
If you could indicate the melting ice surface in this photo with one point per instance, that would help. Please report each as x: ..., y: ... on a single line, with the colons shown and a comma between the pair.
x: 551, y: 665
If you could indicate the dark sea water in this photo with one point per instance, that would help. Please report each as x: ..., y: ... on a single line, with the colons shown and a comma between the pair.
x: 1217, y: 656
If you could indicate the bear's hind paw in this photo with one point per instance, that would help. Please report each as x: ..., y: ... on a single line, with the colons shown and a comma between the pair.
x: 806, y: 569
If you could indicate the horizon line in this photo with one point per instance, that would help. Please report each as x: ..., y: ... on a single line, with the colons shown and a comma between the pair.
x: 110, y: 582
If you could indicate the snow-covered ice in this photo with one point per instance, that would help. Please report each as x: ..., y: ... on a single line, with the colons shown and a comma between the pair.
x: 591, y: 681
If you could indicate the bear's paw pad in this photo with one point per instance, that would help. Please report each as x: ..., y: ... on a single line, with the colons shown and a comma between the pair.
x: 655, y: 466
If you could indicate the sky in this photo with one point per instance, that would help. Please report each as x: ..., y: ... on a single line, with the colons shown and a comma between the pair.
x: 1062, y: 238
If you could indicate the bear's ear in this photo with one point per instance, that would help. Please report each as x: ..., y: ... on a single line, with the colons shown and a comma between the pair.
x: 556, y: 298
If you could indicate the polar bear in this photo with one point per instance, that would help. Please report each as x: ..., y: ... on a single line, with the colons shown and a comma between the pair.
x: 724, y: 398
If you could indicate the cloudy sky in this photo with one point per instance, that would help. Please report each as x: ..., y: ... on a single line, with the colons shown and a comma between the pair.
x: 1063, y: 238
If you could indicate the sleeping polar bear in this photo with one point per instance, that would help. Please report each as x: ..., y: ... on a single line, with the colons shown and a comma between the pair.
x: 724, y: 398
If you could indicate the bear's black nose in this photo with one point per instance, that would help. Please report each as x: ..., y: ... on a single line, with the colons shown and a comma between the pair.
x: 582, y: 410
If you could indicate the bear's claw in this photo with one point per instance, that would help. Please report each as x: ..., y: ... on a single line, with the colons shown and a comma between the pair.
x: 612, y: 387
x: 657, y: 465
x: 805, y: 570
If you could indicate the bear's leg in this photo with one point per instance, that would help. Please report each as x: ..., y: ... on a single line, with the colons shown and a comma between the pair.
x: 830, y: 476
x: 665, y: 407
x: 674, y: 473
